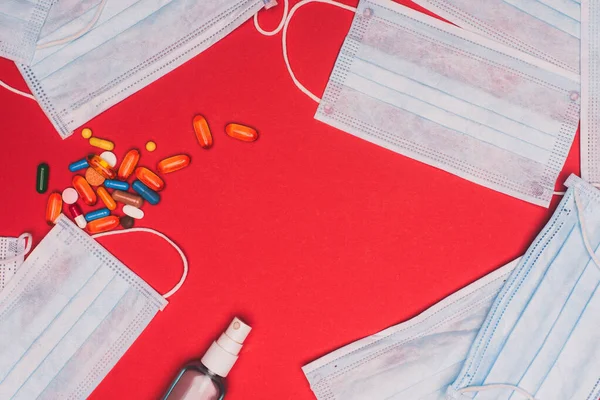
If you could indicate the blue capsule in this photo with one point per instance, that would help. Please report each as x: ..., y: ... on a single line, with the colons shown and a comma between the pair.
x: 118, y: 185
x: 148, y: 194
x: 97, y: 214
x: 78, y: 165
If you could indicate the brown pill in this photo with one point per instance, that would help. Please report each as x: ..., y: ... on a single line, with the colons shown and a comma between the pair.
x: 128, y: 198
x: 127, y: 222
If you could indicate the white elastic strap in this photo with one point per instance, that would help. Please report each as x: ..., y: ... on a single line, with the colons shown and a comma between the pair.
x: 586, y: 240
x: 596, y: 185
x: 286, y: 6
x: 17, y: 91
x: 172, y: 243
x: 28, y: 240
x: 517, y: 389
x: 79, y: 33
x: 284, y: 41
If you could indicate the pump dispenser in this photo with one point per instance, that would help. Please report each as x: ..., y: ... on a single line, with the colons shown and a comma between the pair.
x: 204, y: 379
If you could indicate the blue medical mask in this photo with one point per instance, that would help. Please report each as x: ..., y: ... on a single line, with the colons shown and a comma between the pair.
x: 454, y: 100
x: 546, y: 29
x: 69, y: 314
x: 132, y: 44
x: 541, y: 334
x: 417, y: 359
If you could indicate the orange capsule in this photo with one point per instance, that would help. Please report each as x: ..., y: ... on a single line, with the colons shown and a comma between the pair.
x: 101, y: 166
x: 84, y: 189
x: 173, y: 164
x: 106, y: 198
x: 241, y: 132
x: 53, y: 208
x: 202, y: 131
x: 103, y: 224
x: 128, y: 164
x: 149, y: 178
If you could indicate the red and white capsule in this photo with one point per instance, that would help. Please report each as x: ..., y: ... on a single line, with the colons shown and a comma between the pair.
x: 77, y: 215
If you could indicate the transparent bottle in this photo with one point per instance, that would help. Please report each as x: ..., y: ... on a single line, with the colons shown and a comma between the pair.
x: 205, y: 379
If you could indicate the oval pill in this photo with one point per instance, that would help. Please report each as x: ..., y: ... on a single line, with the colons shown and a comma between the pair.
x: 110, y: 158
x: 149, y: 179
x: 78, y: 165
x: 114, y: 184
x: 128, y: 198
x: 174, y: 163
x: 133, y: 212
x: 103, y: 224
x: 84, y: 189
x: 86, y: 133
x: 93, y: 177
x: 126, y: 222
x: 77, y: 215
x: 70, y: 196
x: 202, y: 132
x: 128, y: 164
x: 148, y: 194
x: 53, y: 208
x: 106, y: 198
x: 102, y: 143
x: 101, y: 166
x: 97, y: 214
x: 241, y: 132
x: 41, y: 183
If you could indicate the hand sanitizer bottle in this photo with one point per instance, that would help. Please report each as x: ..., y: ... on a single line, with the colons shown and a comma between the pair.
x: 204, y: 379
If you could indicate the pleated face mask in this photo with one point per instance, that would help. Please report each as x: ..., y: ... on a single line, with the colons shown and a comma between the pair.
x: 69, y: 314
x: 454, y: 100
x: 12, y: 253
x: 546, y: 29
x: 93, y: 54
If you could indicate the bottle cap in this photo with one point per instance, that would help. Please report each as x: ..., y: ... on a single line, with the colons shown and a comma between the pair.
x: 223, y: 353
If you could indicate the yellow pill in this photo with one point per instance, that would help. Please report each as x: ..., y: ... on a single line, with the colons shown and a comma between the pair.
x: 151, y: 146
x: 102, y: 143
x: 86, y: 133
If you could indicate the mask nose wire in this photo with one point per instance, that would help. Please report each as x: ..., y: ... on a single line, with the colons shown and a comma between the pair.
x: 163, y: 236
x: 492, y: 386
x: 28, y: 240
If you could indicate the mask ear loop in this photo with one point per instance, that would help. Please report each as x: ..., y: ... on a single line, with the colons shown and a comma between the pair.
x: 483, y: 388
x: 161, y: 235
x: 286, y: 6
x: 28, y: 241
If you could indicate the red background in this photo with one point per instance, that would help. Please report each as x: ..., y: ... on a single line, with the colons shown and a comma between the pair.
x: 314, y: 237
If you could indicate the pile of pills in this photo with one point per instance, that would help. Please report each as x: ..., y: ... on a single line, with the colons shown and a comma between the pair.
x: 101, y: 172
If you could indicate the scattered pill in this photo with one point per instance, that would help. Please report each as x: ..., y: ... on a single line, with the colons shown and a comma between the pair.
x: 93, y: 177
x: 84, y: 189
x: 41, y: 184
x: 127, y: 222
x: 70, y: 196
x: 241, y: 132
x: 97, y: 214
x: 77, y: 215
x: 106, y: 198
x: 202, y: 131
x: 78, y: 165
x: 114, y: 184
x: 128, y: 198
x: 174, y: 163
x: 133, y: 212
x: 128, y: 164
x: 110, y: 158
x: 103, y: 224
x: 150, y: 146
x: 148, y: 194
x: 86, y: 133
x: 149, y: 179
x: 53, y: 208
x: 101, y: 166
x: 102, y: 143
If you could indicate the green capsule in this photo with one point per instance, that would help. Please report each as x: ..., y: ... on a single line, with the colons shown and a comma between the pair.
x: 42, y: 178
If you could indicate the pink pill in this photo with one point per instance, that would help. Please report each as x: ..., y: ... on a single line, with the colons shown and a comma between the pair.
x: 70, y: 195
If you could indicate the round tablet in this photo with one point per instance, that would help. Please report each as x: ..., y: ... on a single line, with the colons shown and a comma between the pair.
x: 151, y: 146
x: 93, y: 177
x: 86, y: 133
x: 126, y: 222
x: 133, y: 212
x: 70, y: 196
x: 109, y: 157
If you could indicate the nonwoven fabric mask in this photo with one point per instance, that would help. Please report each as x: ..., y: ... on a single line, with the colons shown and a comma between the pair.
x: 417, y: 359
x: 546, y: 29
x: 92, y: 54
x: 12, y: 254
x: 69, y: 314
x: 452, y: 99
